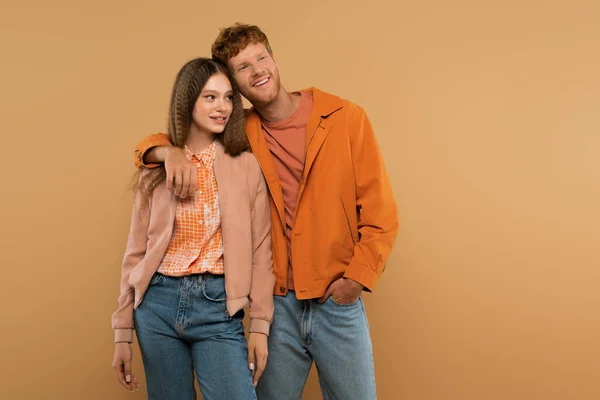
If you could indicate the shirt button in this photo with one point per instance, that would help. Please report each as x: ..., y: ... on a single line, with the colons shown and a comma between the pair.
x: 200, y: 222
x: 199, y: 192
x: 282, y: 289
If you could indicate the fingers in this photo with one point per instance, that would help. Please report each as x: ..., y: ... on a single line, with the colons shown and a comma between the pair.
x: 261, y: 363
x: 122, y: 367
x: 130, y: 379
x: 121, y: 376
x: 329, y: 291
x: 182, y: 174
x: 119, y: 373
x: 186, y: 183
x: 193, y: 180
x: 169, y: 179
x: 325, y: 296
x: 183, y: 180
x: 127, y: 370
x: 251, y: 362
x: 347, y: 291
x: 134, y: 383
x: 178, y: 175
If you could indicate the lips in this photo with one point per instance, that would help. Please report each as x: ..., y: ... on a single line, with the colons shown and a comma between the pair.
x: 219, y: 120
x: 261, y: 82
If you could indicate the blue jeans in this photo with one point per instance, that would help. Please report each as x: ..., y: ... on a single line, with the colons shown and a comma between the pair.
x: 182, y: 326
x: 336, y: 337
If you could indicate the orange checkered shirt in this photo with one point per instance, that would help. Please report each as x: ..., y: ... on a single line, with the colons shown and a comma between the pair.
x: 197, y: 243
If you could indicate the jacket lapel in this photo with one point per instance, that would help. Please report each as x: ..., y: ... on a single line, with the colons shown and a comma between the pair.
x: 315, y: 137
x: 265, y: 160
x: 318, y: 126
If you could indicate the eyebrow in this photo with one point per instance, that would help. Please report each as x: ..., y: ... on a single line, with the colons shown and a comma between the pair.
x: 215, y: 91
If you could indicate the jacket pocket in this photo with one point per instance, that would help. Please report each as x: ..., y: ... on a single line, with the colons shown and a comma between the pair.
x: 347, y: 219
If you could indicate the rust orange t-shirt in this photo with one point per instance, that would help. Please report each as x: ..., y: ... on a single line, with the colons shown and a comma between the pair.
x: 286, y: 140
x: 196, y: 246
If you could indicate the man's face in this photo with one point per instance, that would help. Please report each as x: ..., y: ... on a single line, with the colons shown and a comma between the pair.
x: 257, y: 74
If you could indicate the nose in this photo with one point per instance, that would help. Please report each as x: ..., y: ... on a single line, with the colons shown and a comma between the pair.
x: 220, y: 104
x: 257, y: 70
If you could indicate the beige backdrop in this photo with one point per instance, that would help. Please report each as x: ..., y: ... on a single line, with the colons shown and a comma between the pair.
x: 487, y: 115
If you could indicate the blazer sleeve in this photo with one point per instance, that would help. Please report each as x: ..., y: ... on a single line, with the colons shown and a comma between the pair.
x: 263, y: 279
x: 122, y: 318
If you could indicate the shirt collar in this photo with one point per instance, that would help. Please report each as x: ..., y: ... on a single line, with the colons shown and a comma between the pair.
x: 206, y: 156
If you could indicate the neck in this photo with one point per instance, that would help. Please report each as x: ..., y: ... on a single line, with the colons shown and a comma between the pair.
x: 198, y: 139
x: 284, y: 105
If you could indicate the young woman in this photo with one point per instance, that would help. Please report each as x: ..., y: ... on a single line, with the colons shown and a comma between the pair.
x: 192, y: 264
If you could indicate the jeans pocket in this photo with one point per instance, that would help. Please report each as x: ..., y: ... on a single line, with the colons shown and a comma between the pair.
x: 156, y: 279
x: 214, y: 289
x: 345, y: 305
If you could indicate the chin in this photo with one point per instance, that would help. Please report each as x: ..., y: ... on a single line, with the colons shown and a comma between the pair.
x: 262, y: 96
x: 266, y: 98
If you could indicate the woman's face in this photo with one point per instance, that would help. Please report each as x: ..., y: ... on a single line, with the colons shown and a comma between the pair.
x: 214, y: 105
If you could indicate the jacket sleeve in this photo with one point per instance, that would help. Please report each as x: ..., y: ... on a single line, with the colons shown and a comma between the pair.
x: 147, y: 143
x: 122, y: 319
x: 263, y: 280
x: 378, y: 213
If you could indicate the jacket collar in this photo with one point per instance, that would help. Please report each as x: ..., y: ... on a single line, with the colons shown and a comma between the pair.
x: 324, y: 104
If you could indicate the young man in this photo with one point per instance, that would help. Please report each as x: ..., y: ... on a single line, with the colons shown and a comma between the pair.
x: 334, y: 220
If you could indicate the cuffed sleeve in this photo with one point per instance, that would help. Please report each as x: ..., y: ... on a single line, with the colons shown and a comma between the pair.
x: 122, y: 319
x: 263, y: 279
x: 155, y: 140
x: 123, y: 335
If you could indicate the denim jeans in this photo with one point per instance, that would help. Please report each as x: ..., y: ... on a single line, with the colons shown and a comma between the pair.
x: 182, y: 327
x: 336, y: 337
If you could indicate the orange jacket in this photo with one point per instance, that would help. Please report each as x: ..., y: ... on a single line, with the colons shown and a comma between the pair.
x: 346, y: 217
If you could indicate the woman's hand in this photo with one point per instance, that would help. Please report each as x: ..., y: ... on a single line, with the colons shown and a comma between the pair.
x: 257, y: 354
x: 122, y: 366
